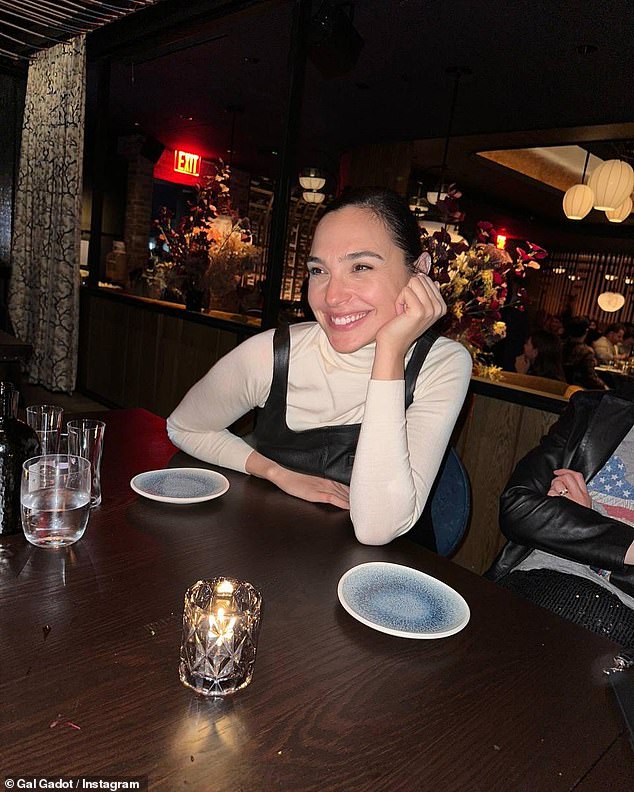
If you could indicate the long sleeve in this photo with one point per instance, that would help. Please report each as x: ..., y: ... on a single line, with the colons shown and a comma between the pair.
x: 238, y: 382
x: 603, y: 350
x: 529, y: 517
x: 399, y: 454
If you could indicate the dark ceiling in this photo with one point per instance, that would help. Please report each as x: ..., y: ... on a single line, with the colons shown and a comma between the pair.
x: 542, y: 72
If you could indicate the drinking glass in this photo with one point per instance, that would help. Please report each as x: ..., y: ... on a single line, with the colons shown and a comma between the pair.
x: 55, y: 499
x: 46, y: 419
x: 85, y: 438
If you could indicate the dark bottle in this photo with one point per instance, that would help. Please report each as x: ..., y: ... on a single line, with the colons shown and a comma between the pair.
x: 18, y: 442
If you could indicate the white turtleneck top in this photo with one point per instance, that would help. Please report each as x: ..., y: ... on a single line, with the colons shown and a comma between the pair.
x: 397, y: 457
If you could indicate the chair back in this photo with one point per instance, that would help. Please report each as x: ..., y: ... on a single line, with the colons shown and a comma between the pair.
x: 450, y: 504
x: 446, y: 515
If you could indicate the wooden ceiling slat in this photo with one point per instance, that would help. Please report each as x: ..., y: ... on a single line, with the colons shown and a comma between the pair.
x: 46, y: 23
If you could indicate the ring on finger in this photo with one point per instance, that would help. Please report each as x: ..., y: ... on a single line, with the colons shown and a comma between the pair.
x: 563, y: 491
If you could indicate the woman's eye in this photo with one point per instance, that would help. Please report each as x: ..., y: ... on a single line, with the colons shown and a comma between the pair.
x: 361, y: 267
x: 315, y: 270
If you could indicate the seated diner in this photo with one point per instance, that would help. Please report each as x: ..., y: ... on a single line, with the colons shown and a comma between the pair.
x: 355, y: 409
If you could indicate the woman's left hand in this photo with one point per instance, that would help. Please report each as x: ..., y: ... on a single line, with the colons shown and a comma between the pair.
x: 570, y: 484
x: 418, y: 306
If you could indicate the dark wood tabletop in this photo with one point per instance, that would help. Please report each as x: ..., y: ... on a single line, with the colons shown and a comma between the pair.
x: 90, y: 642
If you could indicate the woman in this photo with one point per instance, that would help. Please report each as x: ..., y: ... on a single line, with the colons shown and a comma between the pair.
x: 568, y: 512
x: 542, y: 356
x: 333, y: 426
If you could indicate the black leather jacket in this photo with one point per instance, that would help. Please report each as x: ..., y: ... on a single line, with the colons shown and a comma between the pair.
x: 583, y: 439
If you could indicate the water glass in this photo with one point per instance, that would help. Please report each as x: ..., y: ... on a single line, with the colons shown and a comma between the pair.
x: 85, y: 438
x: 221, y: 622
x: 46, y: 420
x: 55, y: 499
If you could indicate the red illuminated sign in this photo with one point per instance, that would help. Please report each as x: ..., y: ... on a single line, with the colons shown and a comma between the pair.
x: 186, y: 162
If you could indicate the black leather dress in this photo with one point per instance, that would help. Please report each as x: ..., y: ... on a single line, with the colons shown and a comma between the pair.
x: 326, y: 451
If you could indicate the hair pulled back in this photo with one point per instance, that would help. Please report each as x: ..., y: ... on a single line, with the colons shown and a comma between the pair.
x: 392, y: 210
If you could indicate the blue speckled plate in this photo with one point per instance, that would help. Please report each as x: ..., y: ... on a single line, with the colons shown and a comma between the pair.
x: 402, y: 601
x: 180, y: 485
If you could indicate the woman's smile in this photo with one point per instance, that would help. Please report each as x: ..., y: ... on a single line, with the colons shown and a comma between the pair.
x: 347, y: 320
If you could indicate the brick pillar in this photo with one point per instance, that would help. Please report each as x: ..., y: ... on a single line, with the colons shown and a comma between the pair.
x: 138, y: 214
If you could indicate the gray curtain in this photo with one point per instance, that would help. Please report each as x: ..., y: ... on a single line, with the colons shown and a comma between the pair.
x: 44, y: 289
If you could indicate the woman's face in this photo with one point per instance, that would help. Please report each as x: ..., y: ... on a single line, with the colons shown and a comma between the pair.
x: 530, y: 352
x: 356, y: 273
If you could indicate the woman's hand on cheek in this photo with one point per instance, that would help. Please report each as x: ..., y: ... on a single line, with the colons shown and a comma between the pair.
x: 418, y: 306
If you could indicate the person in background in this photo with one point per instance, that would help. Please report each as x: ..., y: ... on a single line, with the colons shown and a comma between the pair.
x: 593, y: 332
x: 542, y: 356
x: 568, y: 513
x: 553, y: 324
x: 627, y: 345
x: 355, y: 409
x: 578, y: 358
x: 605, y: 347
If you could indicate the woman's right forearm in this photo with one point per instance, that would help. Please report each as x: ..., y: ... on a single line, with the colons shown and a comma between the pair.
x: 262, y: 467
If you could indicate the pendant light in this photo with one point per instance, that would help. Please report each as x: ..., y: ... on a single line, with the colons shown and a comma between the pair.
x: 611, y: 301
x: 612, y: 182
x: 579, y: 199
x: 313, y: 196
x: 619, y: 214
x: 311, y: 181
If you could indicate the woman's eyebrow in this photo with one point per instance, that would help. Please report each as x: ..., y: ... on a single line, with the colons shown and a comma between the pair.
x: 364, y: 254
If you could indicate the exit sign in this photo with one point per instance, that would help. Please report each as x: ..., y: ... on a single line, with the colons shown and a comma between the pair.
x: 186, y: 162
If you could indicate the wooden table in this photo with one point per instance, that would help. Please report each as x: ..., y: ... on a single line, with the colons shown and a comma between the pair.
x: 90, y: 639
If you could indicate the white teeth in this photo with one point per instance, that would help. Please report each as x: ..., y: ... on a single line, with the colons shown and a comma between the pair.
x: 345, y: 320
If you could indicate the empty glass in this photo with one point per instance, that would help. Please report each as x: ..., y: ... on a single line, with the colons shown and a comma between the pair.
x: 55, y: 499
x: 85, y: 438
x: 46, y: 419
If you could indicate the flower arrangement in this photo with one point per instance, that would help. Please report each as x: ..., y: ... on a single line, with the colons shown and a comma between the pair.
x: 476, y: 281
x: 211, y: 247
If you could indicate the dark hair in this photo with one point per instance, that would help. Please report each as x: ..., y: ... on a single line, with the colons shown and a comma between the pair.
x: 549, y: 362
x: 392, y: 210
x: 577, y: 326
x: 614, y: 328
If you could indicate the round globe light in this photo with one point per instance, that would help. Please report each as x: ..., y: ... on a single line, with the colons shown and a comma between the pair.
x: 611, y: 301
x: 619, y: 214
x: 578, y: 201
x: 612, y: 182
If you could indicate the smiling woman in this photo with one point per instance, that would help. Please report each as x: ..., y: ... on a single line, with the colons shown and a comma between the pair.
x: 355, y: 409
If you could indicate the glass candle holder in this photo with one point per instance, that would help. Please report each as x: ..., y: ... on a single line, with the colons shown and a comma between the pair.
x: 221, y: 622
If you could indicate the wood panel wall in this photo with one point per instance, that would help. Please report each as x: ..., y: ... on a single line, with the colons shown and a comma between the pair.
x: 131, y: 355
x: 493, y: 436
x: 589, y: 271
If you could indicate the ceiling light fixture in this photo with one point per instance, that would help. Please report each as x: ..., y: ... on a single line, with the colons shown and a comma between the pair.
x: 611, y: 301
x: 579, y: 199
x: 313, y: 196
x: 311, y: 179
x: 619, y: 214
x: 612, y: 182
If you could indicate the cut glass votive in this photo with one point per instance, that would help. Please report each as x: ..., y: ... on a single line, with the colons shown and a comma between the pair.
x: 221, y: 622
